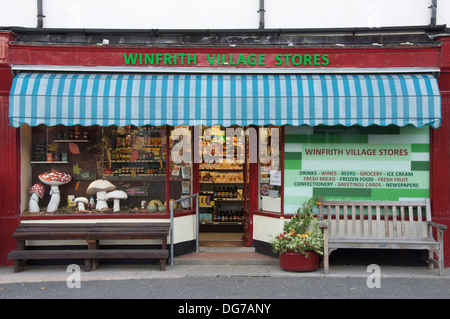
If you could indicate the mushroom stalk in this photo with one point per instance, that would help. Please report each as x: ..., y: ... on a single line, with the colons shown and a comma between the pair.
x: 101, y: 201
x: 116, y: 207
x: 34, y: 203
x: 54, y: 200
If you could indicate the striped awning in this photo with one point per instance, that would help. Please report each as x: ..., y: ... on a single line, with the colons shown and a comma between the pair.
x: 190, y: 99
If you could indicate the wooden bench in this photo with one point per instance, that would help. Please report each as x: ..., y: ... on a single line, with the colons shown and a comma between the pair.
x: 381, y: 225
x: 92, y: 233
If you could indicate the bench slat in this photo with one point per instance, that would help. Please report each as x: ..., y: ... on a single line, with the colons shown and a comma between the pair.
x: 411, y: 221
x: 402, y: 211
x: 394, y: 220
x: 91, y: 254
x: 361, y: 219
x: 377, y: 211
x: 419, y: 220
x: 386, y: 221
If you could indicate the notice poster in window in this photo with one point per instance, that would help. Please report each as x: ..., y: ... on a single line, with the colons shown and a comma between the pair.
x: 275, y: 178
x: 39, y: 152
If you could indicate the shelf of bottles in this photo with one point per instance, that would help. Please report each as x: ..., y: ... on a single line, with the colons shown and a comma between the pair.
x: 221, y: 198
x: 135, y: 153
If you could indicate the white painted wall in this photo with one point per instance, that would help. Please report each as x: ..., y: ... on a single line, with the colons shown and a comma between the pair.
x: 214, y: 14
x: 264, y: 227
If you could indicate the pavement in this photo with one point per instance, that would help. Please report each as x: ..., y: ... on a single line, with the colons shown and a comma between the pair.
x: 224, y: 262
x: 126, y: 272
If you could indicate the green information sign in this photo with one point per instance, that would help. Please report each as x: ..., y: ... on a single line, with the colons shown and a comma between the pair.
x: 355, y: 164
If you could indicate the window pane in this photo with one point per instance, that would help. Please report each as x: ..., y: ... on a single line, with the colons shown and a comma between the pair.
x: 269, y: 169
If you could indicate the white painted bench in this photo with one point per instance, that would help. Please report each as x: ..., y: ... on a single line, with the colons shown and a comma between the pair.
x: 381, y: 225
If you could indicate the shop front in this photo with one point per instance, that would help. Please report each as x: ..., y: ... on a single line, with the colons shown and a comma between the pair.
x: 255, y: 132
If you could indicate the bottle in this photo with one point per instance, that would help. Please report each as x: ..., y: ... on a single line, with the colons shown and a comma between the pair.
x: 219, y: 192
x: 214, y: 214
x: 215, y: 192
x: 219, y: 215
x: 76, y: 134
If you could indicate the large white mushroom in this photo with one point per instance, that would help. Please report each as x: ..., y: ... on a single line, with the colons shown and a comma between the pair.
x: 116, y: 196
x: 37, y: 191
x: 54, y: 179
x: 100, y: 187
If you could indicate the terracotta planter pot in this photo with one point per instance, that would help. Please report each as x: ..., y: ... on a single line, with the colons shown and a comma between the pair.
x: 293, y: 261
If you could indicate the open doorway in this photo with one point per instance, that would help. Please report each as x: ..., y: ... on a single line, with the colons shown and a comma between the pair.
x: 222, y: 187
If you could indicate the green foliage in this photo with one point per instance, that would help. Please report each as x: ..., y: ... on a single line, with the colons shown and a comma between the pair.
x: 301, y: 233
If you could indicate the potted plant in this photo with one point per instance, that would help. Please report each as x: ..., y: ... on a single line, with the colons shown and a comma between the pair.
x: 301, y: 242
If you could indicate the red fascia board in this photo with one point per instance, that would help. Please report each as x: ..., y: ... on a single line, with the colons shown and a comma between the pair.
x: 354, y: 57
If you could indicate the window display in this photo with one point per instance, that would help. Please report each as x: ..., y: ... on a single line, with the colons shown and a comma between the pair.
x: 135, y: 162
x: 105, y: 170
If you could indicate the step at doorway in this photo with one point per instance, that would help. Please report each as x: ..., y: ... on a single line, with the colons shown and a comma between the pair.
x: 208, y: 240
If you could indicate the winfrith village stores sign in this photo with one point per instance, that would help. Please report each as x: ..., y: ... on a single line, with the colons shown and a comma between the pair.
x: 226, y: 59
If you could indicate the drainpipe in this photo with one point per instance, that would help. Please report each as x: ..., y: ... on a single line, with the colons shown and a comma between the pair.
x: 261, y: 14
x: 433, y: 8
x: 40, y: 15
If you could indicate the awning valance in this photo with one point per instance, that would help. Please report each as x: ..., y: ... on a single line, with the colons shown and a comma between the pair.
x: 190, y: 99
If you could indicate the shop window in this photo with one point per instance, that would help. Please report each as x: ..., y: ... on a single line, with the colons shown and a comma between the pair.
x: 355, y: 163
x: 135, y: 162
x: 131, y: 160
x: 270, y: 170
x: 180, y: 170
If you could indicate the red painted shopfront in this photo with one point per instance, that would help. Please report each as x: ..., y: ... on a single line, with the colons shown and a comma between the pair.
x: 84, y: 58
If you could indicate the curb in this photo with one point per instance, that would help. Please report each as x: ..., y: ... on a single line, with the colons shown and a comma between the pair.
x: 136, y: 272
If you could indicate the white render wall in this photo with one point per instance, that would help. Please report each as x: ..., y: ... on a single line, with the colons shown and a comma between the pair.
x: 225, y: 14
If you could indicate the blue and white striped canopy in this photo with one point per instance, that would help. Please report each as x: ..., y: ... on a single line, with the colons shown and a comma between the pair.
x: 190, y: 99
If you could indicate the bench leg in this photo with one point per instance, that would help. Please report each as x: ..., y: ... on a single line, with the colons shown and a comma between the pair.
x: 87, y: 264
x: 162, y: 264
x: 325, y: 251
x: 92, y: 264
x: 440, y: 239
x: 18, y: 265
x: 326, y: 264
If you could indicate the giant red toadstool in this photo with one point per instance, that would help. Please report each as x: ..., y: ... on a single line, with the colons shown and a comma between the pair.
x: 37, y: 191
x: 54, y: 179
x: 100, y: 187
